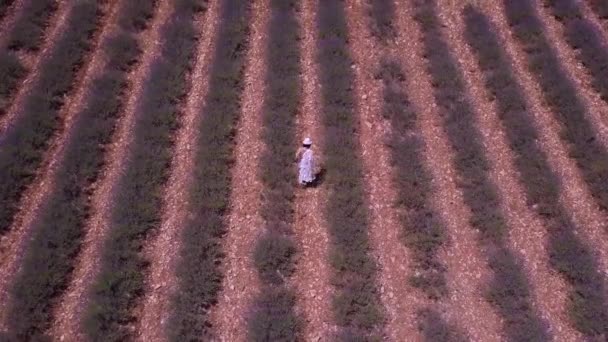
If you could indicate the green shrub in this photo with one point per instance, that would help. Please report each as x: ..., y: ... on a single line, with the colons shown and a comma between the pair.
x: 382, y: 13
x: 273, y: 258
x: 135, y: 15
x: 434, y: 328
x: 273, y: 318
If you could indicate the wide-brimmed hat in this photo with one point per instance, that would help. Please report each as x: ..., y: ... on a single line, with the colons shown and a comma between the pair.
x: 307, y: 141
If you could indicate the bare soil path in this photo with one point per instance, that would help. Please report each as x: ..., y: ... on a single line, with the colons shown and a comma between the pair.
x: 34, y: 62
x: 163, y: 250
x: 12, y: 246
x: 400, y: 300
x: 597, y: 108
x: 244, y: 227
x: 71, y: 310
x: 528, y: 235
x: 575, y: 196
x: 468, y: 273
x: 311, y: 278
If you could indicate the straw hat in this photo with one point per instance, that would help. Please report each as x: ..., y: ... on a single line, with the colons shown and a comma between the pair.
x: 307, y: 141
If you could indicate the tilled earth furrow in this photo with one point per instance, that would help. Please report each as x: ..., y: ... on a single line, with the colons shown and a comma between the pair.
x: 135, y: 207
x: 157, y: 320
x: 508, y: 290
x: 35, y: 242
x: 87, y: 156
x: 312, y: 274
x: 508, y: 137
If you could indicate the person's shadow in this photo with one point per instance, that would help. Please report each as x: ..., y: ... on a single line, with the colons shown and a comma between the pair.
x: 319, y: 179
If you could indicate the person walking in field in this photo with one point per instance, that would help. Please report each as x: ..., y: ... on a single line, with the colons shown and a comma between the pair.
x: 306, y: 164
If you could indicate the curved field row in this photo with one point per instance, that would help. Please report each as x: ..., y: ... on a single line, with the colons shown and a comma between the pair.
x: 576, y: 201
x: 420, y: 232
x: 273, y: 315
x: 495, y: 88
x: 149, y: 182
x: 156, y: 321
x: 37, y: 115
x: 133, y: 18
x: 466, y: 270
x: 560, y: 93
x: 407, y: 240
x: 584, y: 83
x: 581, y: 34
x: 509, y: 290
x: 135, y: 208
x: 53, y: 217
x: 569, y: 254
x: 39, y: 127
x: 541, y: 184
x: 64, y: 216
x: 198, y: 269
x: 356, y: 304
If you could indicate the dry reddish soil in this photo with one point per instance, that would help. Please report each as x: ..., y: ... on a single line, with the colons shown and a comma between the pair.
x: 163, y: 250
x: 528, y: 236
x: 575, y: 193
x: 400, y: 300
x: 245, y: 224
x: 13, y: 244
x: 311, y: 278
x: 467, y: 270
x: 74, y: 301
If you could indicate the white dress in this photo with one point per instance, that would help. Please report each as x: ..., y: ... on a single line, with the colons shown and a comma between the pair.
x: 306, y: 166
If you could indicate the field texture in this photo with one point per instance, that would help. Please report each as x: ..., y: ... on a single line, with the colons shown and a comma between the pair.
x: 148, y: 182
